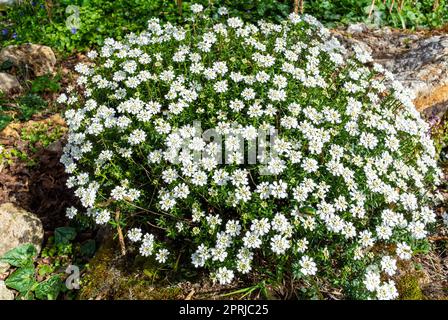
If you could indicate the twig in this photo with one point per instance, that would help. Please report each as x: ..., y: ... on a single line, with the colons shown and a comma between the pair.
x: 391, y: 6
x: 120, y: 233
x: 436, y: 5
x: 190, y: 295
x: 371, y: 8
x: 301, y: 6
x: 179, y: 6
x: 296, y: 6
x: 400, y: 6
x: 438, y: 238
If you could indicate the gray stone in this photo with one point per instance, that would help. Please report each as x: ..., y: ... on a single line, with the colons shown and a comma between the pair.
x: 418, y: 60
x: 18, y: 227
x: 356, y: 28
x: 9, y: 83
x: 4, y: 3
x: 5, y: 293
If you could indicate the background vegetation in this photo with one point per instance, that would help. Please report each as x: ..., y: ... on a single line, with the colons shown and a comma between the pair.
x: 44, y: 21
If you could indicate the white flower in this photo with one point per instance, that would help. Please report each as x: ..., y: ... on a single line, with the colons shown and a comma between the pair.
x: 308, y: 266
x: 147, y: 246
x: 251, y: 240
x: 372, y: 281
x: 445, y: 218
x: 162, y: 255
x: 137, y: 136
x: 417, y: 229
x: 71, y: 212
x: 302, y: 245
x: 404, y: 251
x: 196, y: 7
x: 62, y: 98
x: 221, y: 86
x: 387, y: 291
x: 279, y: 244
x: 310, y: 165
x: 102, y: 217
x: 233, y: 228
x: 135, y: 234
x: 224, y: 275
x: 368, y: 140
x: 222, y: 11
x: 389, y: 265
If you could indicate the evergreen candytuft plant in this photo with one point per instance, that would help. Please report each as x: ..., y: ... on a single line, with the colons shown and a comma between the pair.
x: 259, y: 148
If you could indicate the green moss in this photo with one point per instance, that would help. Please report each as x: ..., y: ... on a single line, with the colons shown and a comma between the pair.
x: 409, y: 288
x: 110, y: 276
x: 98, y: 276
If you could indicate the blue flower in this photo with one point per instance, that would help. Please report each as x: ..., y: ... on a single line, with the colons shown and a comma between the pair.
x: 5, y: 32
x: 73, y: 30
x: 14, y: 35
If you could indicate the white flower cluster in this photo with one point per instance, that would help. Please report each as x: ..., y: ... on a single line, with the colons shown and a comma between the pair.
x: 352, y: 167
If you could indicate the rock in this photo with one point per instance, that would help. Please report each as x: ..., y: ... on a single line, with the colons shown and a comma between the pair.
x: 40, y: 59
x: 18, y: 227
x: 4, y: 266
x: 356, y: 28
x: 6, y: 2
x: 9, y: 83
x: 5, y: 293
x: 419, y: 60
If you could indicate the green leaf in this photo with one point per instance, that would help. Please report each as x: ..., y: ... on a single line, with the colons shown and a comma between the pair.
x: 88, y: 248
x: 64, y: 235
x: 45, y: 269
x: 20, y: 256
x: 309, y: 210
x: 4, y: 121
x: 49, y: 289
x: 21, y: 280
x: 26, y: 296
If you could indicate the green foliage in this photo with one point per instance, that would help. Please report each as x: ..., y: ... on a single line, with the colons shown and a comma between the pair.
x: 5, y: 119
x: 48, y: 289
x: 64, y: 235
x: 32, y: 21
x: 42, y: 277
x: 30, y: 104
x: 88, y: 248
x: 24, y: 279
x: 41, y: 135
x: 399, y: 14
x: 22, y: 256
x: 46, y: 83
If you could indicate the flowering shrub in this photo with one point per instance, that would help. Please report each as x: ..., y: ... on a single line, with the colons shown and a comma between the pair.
x: 252, y: 148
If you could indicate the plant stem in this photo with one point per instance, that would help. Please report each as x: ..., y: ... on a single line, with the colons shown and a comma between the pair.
x: 120, y: 233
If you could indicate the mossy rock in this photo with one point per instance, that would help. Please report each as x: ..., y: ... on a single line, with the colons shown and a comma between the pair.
x: 111, y: 276
x: 408, y: 286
